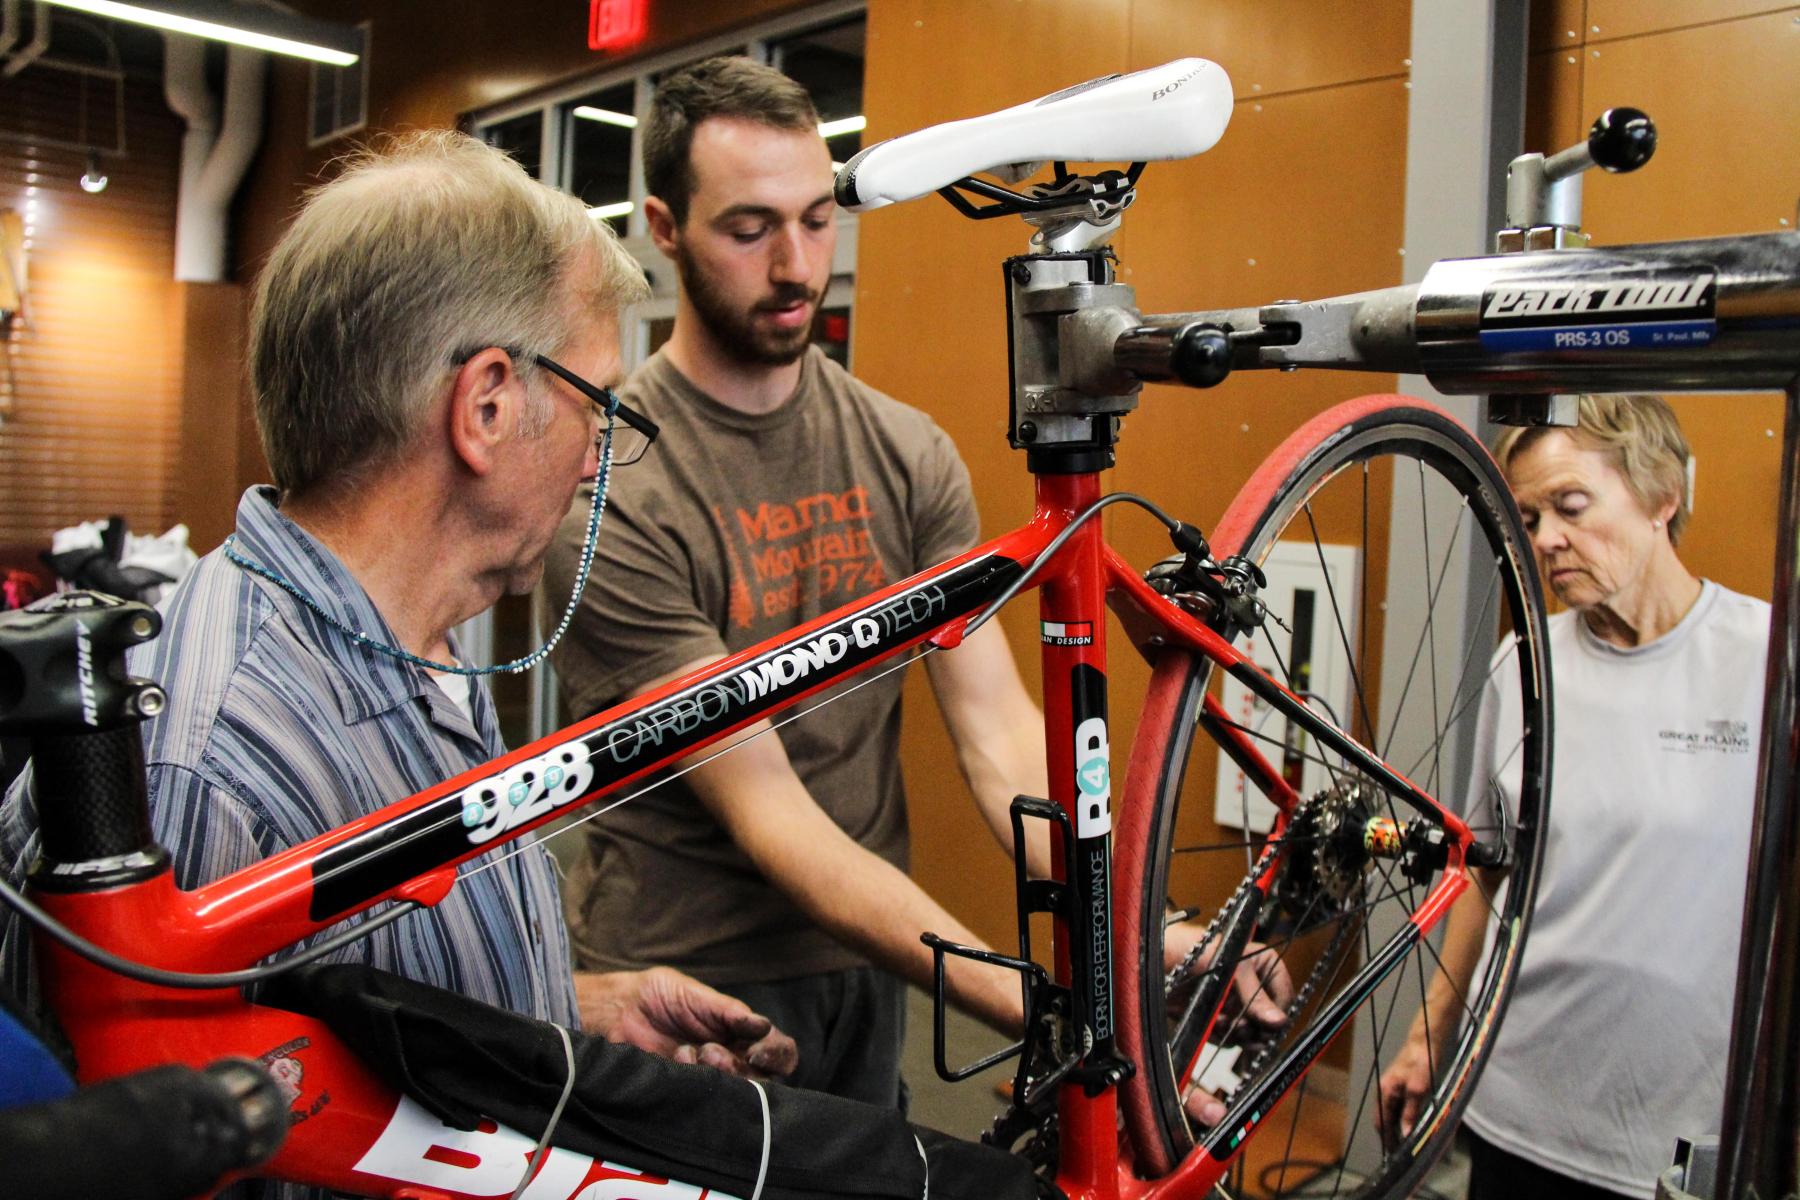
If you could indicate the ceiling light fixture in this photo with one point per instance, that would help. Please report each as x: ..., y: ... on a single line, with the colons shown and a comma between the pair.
x: 93, y: 179
x: 588, y: 112
x: 601, y: 212
x: 258, y: 28
x: 831, y: 129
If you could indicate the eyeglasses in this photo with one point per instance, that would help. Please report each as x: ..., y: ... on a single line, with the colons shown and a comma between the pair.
x: 630, y: 443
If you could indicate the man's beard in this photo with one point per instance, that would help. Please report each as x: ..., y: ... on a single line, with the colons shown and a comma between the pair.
x: 737, y: 332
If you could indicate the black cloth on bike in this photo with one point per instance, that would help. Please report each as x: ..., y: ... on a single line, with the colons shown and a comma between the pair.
x: 462, y: 1059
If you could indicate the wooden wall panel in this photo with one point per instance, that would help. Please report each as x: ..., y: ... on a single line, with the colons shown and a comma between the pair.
x: 1557, y: 25
x: 1272, y: 46
x: 1724, y: 98
x: 1555, y: 114
x: 1736, y: 442
x: 209, y: 322
x: 1608, y: 19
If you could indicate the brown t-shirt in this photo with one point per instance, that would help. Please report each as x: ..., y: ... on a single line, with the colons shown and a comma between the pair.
x: 734, y: 528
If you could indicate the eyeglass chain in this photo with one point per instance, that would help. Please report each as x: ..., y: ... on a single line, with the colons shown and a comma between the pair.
x: 517, y: 665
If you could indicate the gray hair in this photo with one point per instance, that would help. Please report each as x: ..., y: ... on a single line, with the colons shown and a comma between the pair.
x: 431, y: 246
x: 1639, y: 435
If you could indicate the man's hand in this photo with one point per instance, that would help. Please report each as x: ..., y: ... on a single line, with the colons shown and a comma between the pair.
x: 667, y: 1013
x: 1260, y: 983
x: 1260, y: 978
x: 1404, y: 1086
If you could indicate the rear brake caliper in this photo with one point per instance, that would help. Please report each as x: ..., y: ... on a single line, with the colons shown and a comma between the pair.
x: 1224, y: 594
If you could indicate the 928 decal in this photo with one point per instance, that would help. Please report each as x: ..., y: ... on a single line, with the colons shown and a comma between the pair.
x: 525, y: 791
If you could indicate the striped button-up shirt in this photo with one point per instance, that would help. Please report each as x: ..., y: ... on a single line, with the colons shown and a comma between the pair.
x: 279, y: 728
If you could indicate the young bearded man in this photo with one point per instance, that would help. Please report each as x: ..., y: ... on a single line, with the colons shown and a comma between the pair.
x: 781, y: 488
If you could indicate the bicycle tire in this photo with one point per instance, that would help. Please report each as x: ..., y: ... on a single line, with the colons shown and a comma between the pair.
x: 1309, y: 473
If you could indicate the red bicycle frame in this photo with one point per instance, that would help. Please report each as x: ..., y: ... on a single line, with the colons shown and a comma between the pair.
x: 353, y: 1133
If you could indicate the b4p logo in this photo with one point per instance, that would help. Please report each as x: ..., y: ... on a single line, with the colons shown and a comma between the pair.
x: 1093, y: 779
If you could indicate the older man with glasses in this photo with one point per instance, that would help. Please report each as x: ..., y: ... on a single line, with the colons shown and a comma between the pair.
x: 424, y: 447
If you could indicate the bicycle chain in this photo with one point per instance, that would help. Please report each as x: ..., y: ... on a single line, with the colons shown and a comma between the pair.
x: 1301, y: 997
x: 1179, y: 972
x: 1305, y: 992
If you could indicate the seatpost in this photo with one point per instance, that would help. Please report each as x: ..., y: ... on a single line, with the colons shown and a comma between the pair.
x: 64, y: 686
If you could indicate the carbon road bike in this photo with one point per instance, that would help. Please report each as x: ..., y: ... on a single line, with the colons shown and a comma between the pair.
x: 1293, y: 790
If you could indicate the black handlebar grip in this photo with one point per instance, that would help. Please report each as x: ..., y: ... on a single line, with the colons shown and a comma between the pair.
x: 161, y: 1134
x: 1622, y: 139
x: 1201, y: 356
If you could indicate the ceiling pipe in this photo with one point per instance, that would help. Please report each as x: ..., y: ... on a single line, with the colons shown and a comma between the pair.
x: 40, y: 42
x: 9, y: 24
x: 215, y: 151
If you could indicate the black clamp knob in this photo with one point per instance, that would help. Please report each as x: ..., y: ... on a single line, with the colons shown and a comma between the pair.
x: 1622, y: 139
x: 1201, y: 356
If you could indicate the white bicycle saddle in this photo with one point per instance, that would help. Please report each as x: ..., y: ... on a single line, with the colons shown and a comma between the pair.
x: 1173, y: 111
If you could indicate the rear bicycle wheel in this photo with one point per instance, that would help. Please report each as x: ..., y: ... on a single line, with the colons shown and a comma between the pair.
x: 1406, y: 609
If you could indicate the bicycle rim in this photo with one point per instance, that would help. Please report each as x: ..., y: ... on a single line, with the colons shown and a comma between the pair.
x: 1404, y: 590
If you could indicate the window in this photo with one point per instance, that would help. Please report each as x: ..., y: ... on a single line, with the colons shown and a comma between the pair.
x: 340, y: 97
x: 522, y: 138
x: 602, y: 140
x: 829, y: 64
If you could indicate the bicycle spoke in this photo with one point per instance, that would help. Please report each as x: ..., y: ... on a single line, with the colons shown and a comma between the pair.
x: 1434, y: 589
x: 1273, y: 741
x: 1473, y: 696
x: 1240, y: 845
x: 1431, y: 616
x: 1294, y: 686
x: 1362, y: 700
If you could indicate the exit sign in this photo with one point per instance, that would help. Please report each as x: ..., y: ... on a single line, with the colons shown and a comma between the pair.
x: 616, y: 24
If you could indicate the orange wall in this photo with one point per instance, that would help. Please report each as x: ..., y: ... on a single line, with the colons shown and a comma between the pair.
x: 1721, y: 79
